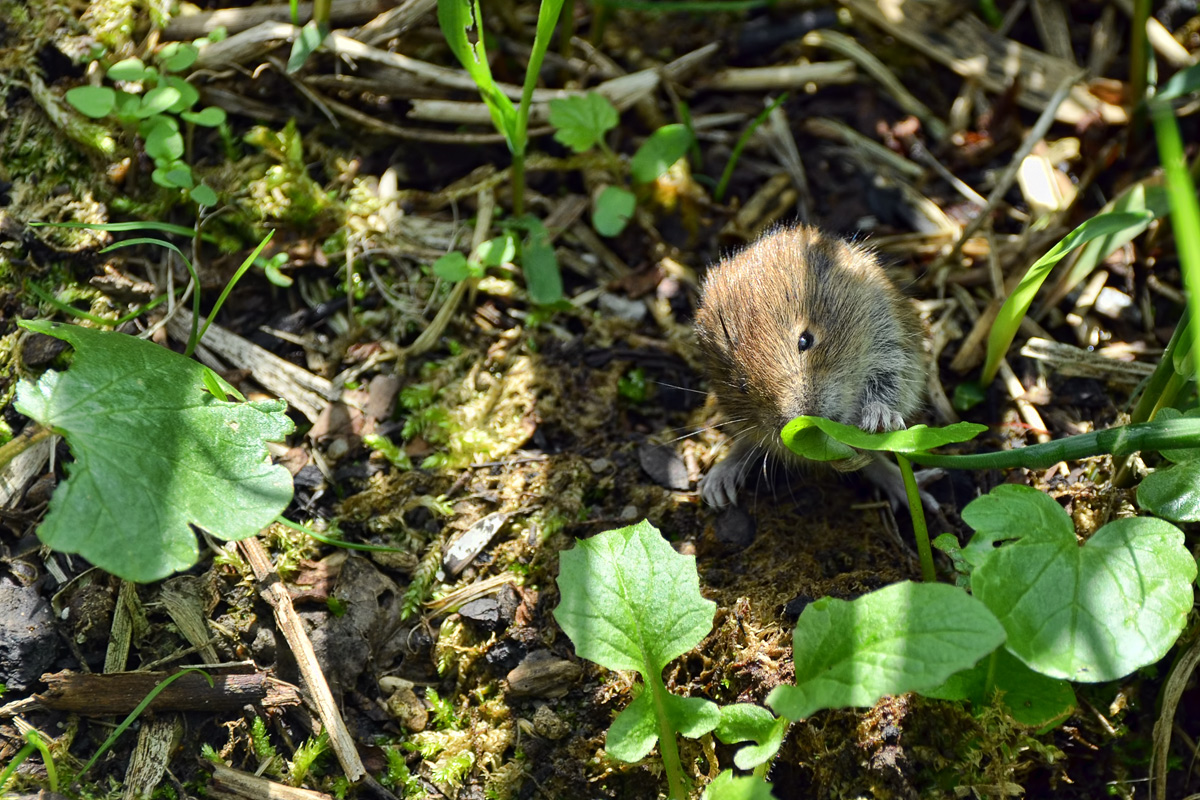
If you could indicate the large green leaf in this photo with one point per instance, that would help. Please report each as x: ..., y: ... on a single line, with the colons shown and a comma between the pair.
x: 823, y: 439
x: 1031, y: 698
x: 154, y: 454
x: 904, y: 637
x: 629, y: 601
x: 1090, y: 613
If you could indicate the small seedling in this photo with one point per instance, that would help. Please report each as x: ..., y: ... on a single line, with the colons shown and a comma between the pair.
x: 630, y: 602
x: 581, y: 123
x: 151, y: 103
x: 1173, y: 491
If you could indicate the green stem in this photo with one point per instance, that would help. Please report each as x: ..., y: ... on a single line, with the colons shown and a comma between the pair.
x: 666, y: 734
x: 48, y: 760
x: 736, y: 153
x: 518, y: 183
x: 27, y: 438
x: 928, y: 574
x: 1125, y: 440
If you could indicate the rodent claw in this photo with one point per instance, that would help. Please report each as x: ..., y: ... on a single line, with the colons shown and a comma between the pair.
x: 877, y: 417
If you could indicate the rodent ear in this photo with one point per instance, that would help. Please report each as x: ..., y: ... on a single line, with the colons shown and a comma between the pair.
x: 807, y: 340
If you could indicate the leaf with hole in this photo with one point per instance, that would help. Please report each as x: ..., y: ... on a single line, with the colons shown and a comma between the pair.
x: 155, y: 453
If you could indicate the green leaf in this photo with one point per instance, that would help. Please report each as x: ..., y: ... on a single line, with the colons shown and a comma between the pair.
x: 659, y: 152
x: 629, y: 601
x: 188, y: 94
x: 613, y: 209
x: 310, y: 38
x: 163, y: 140
x: 154, y: 454
x: 456, y: 17
x: 1014, y: 308
x: 1031, y: 698
x: 177, y: 56
x: 453, y: 267
x: 1181, y: 83
x: 181, y: 176
x: 1090, y: 613
x: 209, y: 117
x: 156, y: 101
x: 542, y: 275
x: 92, y: 101
x: 581, y: 121
x: 497, y: 251
x: 205, y: 196
x: 745, y: 722
x: 798, y: 437
x: 902, y: 638
x: 1172, y: 492
x: 727, y: 786
x: 130, y: 69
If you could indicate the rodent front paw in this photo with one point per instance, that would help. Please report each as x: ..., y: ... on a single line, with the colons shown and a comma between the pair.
x: 720, y: 486
x: 877, y: 417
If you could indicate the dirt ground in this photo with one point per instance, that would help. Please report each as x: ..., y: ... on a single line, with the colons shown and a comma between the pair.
x: 523, y: 429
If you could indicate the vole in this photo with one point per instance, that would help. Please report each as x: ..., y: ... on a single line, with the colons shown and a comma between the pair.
x: 804, y: 323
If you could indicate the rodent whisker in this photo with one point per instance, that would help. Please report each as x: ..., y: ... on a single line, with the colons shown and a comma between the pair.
x: 680, y: 388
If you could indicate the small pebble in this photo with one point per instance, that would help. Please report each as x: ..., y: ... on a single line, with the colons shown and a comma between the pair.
x: 664, y: 466
x: 629, y: 514
x: 548, y: 724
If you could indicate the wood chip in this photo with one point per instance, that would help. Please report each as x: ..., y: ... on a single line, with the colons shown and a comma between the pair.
x: 120, y: 692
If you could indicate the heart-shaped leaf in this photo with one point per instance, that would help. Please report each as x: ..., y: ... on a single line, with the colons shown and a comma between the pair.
x: 1090, y: 613
x: 154, y: 454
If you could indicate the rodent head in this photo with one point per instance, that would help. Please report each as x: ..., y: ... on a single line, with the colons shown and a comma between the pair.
x: 789, y: 326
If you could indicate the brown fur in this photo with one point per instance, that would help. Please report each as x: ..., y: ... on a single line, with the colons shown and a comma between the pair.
x: 865, y: 366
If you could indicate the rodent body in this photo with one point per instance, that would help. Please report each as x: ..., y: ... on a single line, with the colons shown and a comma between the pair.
x: 804, y: 323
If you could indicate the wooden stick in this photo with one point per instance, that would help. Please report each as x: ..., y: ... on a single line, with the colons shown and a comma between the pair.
x: 118, y: 693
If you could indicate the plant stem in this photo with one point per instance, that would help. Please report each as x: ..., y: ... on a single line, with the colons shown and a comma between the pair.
x: 1138, y: 62
x: 928, y: 574
x: 1122, y: 441
x: 667, y: 745
x: 27, y: 438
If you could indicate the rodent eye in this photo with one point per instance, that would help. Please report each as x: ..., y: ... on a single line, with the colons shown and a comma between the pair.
x: 807, y: 340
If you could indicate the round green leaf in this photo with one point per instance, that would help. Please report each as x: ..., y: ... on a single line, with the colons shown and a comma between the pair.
x: 180, y: 175
x: 613, y: 209
x: 205, y: 196
x: 130, y: 69
x: 163, y: 141
x: 1090, y: 613
x: 728, y: 786
x: 177, y: 56
x: 452, y: 267
x: 92, y: 101
x: 209, y: 117
x: 660, y: 150
x: 157, y: 100
x: 188, y: 94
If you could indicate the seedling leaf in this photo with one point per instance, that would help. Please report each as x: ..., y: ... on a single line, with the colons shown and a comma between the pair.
x: 1031, y: 698
x: 209, y: 117
x: 155, y: 453
x: 806, y: 435
x: 203, y: 195
x: 188, y: 94
x: 452, y: 267
x: 178, y: 56
x: 542, y: 275
x: 661, y: 149
x: 904, y: 637
x: 92, y: 101
x: 745, y: 722
x: 1090, y: 613
x: 728, y: 786
x: 500, y: 250
x: 629, y: 601
x: 129, y: 69
x: 613, y: 210
x: 582, y: 121
x: 163, y: 141
x: 157, y: 100
x: 306, y: 43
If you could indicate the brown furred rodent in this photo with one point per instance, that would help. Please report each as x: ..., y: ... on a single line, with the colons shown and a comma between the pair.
x: 804, y: 323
